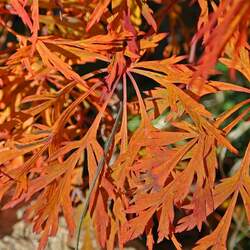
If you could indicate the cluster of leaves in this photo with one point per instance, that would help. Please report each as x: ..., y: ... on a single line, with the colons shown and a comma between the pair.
x: 66, y: 66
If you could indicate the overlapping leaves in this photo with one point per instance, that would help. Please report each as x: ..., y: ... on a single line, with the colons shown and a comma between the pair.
x: 55, y: 117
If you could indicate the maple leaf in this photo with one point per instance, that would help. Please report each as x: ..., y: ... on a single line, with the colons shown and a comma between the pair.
x: 245, y: 187
x: 147, y: 13
x: 20, y: 10
x: 231, y: 20
x: 217, y: 239
x: 98, y: 12
x: 52, y: 60
x: 241, y: 62
x: 63, y: 70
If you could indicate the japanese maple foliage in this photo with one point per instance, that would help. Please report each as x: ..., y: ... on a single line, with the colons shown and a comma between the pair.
x: 67, y: 66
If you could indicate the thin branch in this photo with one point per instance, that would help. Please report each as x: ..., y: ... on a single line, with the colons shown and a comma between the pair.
x: 98, y: 171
